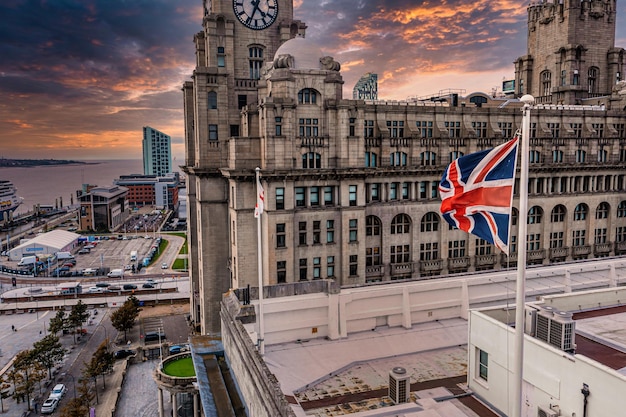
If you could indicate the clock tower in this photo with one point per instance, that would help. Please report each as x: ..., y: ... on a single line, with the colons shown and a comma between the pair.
x: 238, y: 38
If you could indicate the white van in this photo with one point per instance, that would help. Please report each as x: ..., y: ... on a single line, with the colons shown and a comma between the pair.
x: 27, y: 261
x: 116, y: 273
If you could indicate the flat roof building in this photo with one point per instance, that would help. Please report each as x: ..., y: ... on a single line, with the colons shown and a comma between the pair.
x: 103, y: 209
x: 157, y: 152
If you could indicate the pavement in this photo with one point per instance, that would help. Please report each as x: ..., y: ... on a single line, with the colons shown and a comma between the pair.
x: 132, y: 394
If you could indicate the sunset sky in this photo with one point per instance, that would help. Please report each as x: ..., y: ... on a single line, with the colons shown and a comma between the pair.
x: 80, y: 78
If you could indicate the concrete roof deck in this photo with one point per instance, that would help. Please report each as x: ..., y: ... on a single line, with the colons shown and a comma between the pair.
x: 324, y: 377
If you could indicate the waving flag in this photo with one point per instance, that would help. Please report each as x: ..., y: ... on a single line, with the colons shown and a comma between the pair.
x: 476, y: 193
x: 260, y: 199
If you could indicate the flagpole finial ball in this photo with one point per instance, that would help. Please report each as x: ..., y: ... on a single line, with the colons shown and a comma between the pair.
x: 527, y: 99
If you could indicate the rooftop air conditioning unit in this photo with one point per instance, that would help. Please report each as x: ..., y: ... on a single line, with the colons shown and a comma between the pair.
x: 399, y: 385
x: 555, y: 327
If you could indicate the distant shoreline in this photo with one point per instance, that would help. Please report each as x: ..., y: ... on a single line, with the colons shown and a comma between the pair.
x: 26, y: 163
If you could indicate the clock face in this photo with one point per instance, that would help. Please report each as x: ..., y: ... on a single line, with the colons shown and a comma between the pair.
x: 256, y: 14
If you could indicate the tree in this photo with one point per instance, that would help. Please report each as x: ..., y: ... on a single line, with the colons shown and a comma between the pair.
x: 48, y: 352
x: 76, y: 407
x: 123, y: 319
x: 58, y: 322
x: 78, y: 316
x: 103, y: 360
x: 4, y: 390
x: 26, y: 373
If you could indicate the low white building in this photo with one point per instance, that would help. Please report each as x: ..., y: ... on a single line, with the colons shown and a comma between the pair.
x: 45, y: 244
x: 574, y: 355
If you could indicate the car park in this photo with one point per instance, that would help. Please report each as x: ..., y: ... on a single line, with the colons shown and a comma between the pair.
x: 58, y: 391
x: 49, y: 405
x: 124, y: 353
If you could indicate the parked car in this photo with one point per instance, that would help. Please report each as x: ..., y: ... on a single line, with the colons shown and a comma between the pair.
x: 124, y: 353
x: 178, y: 349
x: 58, y: 391
x: 94, y: 290
x: 113, y: 288
x: 164, y: 265
x: 49, y: 405
x: 129, y: 287
x: 147, y: 285
x: 84, y: 251
x: 103, y: 284
x: 154, y: 336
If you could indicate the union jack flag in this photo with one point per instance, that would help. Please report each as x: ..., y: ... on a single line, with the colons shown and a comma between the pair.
x: 476, y: 193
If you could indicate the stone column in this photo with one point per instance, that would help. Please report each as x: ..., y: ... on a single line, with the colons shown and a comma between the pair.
x: 174, y: 405
x: 195, y: 405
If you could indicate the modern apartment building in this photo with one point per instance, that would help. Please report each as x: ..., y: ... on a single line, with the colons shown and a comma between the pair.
x: 157, y: 152
x: 351, y: 185
x: 366, y: 88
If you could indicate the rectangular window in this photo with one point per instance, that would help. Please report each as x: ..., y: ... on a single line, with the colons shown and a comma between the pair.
x: 434, y: 189
x: 330, y: 266
x: 302, y: 233
x: 352, y: 126
x: 456, y: 249
x: 578, y: 237
x: 314, y: 196
x: 405, y: 190
x: 308, y: 127
x: 317, y: 268
x: 393, y: 190
x: 454, y: 129
x: 425, y: 128
x: 353, y: 228
x: 556, y: 240
x: 483, y: 364
x: 372, y: 256
x: 533, y: 241
x: 234, y: 131
x: 242, y: 101
x: 423, y: 186
x: 483, y: 247
x: 480, y: 128
x: 620, y: 234
x: 329, y: 196
x: 221, y: 58
x: 354, y: 265
x: 280, y: 198
x: 281, y: 272
x: 330, y: 231
x: 396, y: 128
x: 368, y: 130
x: 303, y: 269
x: 400, y: 254
x: 300, y: 199
x: 600, y: 236
x: 429, y: 251
x: 212, y: 132
x: 352, y: 195
x: 280, y: 235
x: 279, y: 126
x: 374, y: 192
x: 316, y: 232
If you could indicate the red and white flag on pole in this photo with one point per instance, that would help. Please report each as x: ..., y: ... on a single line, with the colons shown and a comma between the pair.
x: 260, y: 199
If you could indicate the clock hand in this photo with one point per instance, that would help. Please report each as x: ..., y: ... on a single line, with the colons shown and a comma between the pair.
x: 256, y: 7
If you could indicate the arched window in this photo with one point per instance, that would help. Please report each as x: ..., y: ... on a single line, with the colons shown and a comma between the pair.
x: 621, y: 209
x: 400, y: 224
x: 534, y: 215
x: 428, y: 158
x: 514, y: 216
x: 580, y: 212
x: 311, y: 160
x: 430, y: 222
x: 398, y: 159
x: 455, y: 155
x: 558, y: 214
x: 307, y: 96
x: 212, y: 100
x: 602, y: 212
x: 372, y: 226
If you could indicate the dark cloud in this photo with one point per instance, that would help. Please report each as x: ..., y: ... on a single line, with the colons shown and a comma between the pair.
x: 82, y: 76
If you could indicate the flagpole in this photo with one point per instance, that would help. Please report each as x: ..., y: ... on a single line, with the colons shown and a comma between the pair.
x: 520, y: 298
x: 261, y: 338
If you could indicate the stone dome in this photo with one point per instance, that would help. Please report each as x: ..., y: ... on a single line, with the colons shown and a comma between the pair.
x: 305, y: 52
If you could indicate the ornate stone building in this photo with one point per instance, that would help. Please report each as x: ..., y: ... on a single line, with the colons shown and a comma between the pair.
x: 571, y: 52
x: 351, y: 185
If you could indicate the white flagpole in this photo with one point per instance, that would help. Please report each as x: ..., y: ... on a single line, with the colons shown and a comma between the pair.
x: 520, y: 298
x: 261, y: 336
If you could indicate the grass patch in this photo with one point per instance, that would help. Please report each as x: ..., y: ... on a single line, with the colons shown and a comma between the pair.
x: 180, y: 264
x: 181, y: 367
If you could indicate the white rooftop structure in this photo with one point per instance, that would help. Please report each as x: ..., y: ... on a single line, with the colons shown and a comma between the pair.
x: 46, y: 243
